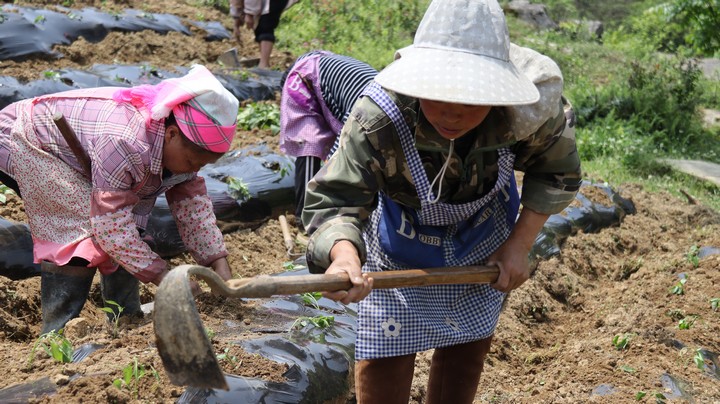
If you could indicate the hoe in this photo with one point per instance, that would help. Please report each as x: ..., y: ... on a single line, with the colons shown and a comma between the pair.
x: 184, y: 347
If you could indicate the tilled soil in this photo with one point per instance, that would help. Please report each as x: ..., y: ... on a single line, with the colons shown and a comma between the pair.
x: 602, y: 322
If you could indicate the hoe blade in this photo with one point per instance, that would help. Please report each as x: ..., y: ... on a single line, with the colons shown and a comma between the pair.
x: 184, y: 347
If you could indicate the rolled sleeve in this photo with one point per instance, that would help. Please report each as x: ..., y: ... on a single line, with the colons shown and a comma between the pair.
x: 550, y: 160
x: 329, y: 234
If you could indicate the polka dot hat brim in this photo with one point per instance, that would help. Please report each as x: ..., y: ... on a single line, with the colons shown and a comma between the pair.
x: 457, y: 77
x: 460, y: 54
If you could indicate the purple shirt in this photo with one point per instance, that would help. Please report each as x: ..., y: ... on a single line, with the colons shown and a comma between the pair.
x: 307, y: 127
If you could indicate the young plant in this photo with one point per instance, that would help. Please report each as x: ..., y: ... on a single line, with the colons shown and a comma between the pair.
x: 318, y: 321
x: 621, y: 341
x: 51, y: 75
x: 659, y: 397
x: 699, y: 359
x: 55, y: 345
x: 227, y: 357
x: 715, y: 303
x: 237, y: 188
x: 285, y: 170
x: 679, y: 287
x: 311, y: 299
x: 241, y: 75
x: 132, y: 373
x: 288, y: 265
x: 692, y: 256
x: 687, y: 322
x: 627, y: 369
x: 114, y: 315
x: 4, y: 190
x: 210, y: 333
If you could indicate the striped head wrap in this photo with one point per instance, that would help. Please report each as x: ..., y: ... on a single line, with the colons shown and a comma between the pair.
x: 205, y: 111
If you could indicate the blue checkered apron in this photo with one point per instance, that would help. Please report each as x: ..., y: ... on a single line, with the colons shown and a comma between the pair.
x: 393, y: 322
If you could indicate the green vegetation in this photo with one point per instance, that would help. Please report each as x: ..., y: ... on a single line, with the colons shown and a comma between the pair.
x: 692, y: 256
x: 132, y: 373
x: 55, y: 345
x: 679, y: 287
x: 229, y: 358
x: 237, y: 188
x: 317, y: 321
x: 621, y: 341
x: 311, y: 299
x: 4, y: 191
x: 627, y: 369
x: 369, y: 30
x: 114, y: 315
x: 261, y: 115
x: 659, y: 397
x: 637, y: 91
x: 222, y: 5
x: 687, y: 322
x: 699, y: 359
x: 210, y: 333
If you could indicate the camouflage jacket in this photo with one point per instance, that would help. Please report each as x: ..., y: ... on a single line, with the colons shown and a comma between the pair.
x: 370, y: 159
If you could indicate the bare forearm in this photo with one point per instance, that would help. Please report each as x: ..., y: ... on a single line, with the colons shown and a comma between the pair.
x: 527, y: 227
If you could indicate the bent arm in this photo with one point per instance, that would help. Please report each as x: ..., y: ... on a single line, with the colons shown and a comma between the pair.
x: 193, y: 212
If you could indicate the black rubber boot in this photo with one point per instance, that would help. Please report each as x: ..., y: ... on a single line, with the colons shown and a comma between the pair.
x: 124, y: 289
x: 63, y: 292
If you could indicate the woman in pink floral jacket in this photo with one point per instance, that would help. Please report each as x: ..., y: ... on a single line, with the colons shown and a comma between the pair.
x: 141, y: 141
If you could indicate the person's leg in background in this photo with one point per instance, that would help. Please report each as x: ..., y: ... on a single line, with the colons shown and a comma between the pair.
x: 305, y: 168
x: 384, y: 380
x: 455, y: 372
x: 265, y: 31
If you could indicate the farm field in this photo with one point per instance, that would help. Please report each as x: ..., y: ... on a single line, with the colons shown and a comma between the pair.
x: 627, y: 314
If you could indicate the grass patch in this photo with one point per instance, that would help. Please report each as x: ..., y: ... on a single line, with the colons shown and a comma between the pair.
x: 369, y: 30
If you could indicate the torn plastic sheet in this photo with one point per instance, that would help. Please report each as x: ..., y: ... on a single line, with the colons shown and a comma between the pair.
x: 319, y: 360
x: 269, y: 182
x: 590, y: 217
x: 28, y: 32
x: 259, y: 85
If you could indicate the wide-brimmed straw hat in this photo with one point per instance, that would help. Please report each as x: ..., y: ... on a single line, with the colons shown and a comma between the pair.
x: 461, y: 54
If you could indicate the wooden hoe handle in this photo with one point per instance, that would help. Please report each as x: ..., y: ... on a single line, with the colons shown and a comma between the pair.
x: 267, y: 286
x: 73, y: 142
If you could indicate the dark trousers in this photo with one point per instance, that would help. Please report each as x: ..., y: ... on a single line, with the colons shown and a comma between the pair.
x: 305, y: 168
x: 265, y: 30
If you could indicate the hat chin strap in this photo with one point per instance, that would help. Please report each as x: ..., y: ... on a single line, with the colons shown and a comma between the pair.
x: 439, y: 177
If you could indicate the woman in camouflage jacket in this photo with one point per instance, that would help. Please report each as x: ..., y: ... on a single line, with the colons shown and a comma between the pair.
x: 424, y: 177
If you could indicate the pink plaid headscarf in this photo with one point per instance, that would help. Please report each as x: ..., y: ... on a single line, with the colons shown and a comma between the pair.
x: 205, y: 111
